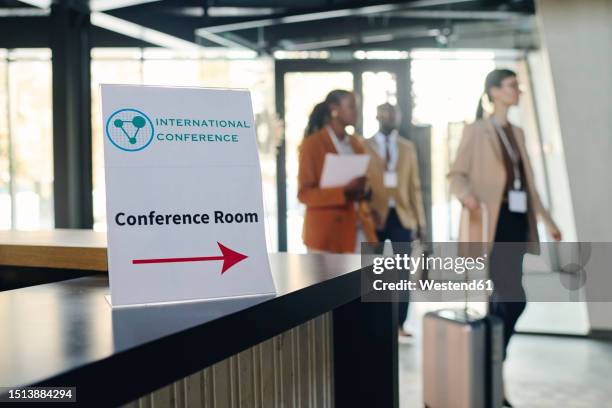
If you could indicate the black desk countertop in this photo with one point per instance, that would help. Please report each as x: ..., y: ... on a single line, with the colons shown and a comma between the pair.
x: 66, y: 334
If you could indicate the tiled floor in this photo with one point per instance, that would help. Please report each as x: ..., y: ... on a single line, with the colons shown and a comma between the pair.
x: 541, y: 372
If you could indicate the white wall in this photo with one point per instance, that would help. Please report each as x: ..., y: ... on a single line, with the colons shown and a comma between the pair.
x: 576, y: 37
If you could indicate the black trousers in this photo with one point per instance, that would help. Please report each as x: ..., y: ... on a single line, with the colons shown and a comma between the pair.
x: 400, y: 238
x: 508, y: 299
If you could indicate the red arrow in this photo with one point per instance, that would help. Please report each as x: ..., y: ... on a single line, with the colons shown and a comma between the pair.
x: 229, y: 258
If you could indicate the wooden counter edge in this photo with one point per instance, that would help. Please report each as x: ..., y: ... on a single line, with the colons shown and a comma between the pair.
x: 56, y: 257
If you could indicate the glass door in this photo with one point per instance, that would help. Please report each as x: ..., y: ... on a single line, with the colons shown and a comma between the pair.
x: 378, y: 87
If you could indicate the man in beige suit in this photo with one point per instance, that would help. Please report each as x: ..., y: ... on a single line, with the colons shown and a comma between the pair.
x: 397, y: 204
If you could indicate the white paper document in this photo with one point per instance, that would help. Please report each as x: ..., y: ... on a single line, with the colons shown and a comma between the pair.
x: 338, y: 170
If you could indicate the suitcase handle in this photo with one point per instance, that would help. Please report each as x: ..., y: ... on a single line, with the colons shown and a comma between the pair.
x: 484, y: 213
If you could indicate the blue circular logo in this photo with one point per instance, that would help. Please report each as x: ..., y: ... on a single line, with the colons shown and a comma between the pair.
x: 129, y: 130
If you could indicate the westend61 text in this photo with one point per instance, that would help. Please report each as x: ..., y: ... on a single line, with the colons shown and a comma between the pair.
x: 428, y: 285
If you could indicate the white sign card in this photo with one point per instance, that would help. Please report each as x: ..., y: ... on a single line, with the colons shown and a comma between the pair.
x: 184, y: 201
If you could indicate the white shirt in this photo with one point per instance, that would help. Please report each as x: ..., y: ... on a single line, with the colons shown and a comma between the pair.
x: 342, y: 146
x: 381, y: 148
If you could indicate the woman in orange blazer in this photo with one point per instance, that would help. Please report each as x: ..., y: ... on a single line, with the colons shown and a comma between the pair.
x: 330, y: 222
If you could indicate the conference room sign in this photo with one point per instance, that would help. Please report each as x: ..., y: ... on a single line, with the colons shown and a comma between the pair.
x: 184, y: 201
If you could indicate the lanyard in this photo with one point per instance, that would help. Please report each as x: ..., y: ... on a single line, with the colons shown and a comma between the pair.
x: 387, y: 144
x: 514, y: 157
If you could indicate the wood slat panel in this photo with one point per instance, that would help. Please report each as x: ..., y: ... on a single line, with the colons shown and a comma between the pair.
x: 293, y: 369
x: 246, y: 379
x: 267, y: 357
x: 222, y: 384
x: 303, y: 367
x: 209, y: 388
x: 162, y: 398
x: 193, y: 391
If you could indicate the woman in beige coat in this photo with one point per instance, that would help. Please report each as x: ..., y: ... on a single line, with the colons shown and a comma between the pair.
x: 493, y: 178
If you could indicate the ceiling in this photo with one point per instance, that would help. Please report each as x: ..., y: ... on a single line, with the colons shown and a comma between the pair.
x: 272, y: 25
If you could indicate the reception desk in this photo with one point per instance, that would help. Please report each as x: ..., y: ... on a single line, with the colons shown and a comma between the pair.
x: 314, y: 344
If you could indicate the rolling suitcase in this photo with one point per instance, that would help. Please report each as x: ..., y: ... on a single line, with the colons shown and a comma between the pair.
x: 462, y: 357
x: 462, y: 360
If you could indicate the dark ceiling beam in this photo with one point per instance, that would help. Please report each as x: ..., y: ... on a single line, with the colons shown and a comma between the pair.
x: 158, y: 36
x: 526, y: 6
x: 319, y: 4
x: 161, y: 16
x: 506, y: 33
x: 12, y: 4
x: 251, y: 45
x: 490, y: 36
x: 368, y: 30
x: 394, y: 45
x: 33, y: 32
x: 89, y: 5
x: 301, y: 17
x: 332, y: 22
x: 161, y: 12
x: 162, y: 37
x: 101, y: 37
x: 458, y: 14
x: 181, y: 27
x: 348, y: 26
x: 499, y: 41
x: 79, y: 6
x: 107, y: 5
x: 359, y: 37
x: 339, y: 27
x: 231, y: 40
x: 268, y: 3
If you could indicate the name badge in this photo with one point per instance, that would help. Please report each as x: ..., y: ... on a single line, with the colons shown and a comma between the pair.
x: 390, y: 179
x: 517, y: 201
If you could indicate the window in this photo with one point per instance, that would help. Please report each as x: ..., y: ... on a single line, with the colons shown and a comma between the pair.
x: 26, y: 144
